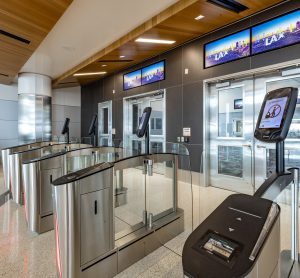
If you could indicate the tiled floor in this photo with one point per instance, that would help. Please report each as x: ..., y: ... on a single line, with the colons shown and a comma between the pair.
x: 23, y: 254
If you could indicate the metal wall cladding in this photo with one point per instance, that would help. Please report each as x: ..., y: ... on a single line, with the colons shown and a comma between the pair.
x: 34, y: 119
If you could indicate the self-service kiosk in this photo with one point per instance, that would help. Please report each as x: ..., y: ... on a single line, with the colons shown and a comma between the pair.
x: 143, y: 128
x: 241, y: 238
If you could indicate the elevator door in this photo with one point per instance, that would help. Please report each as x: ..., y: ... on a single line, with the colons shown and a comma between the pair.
x: 133, y: 109
x: 105, y: 123
x: 231, y: 135
x: 236, y: 160
x: 265, y: 156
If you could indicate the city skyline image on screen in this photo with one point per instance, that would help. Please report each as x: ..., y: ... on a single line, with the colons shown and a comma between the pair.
x: 230, y: 48
x: 153, y: 73
x: 132, y: 79
x: 276, y: 33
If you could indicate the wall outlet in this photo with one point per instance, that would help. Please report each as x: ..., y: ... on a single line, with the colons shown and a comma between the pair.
x: 186, y: 71
x: 113, y: 131
x: 182, y: 139
x: 178, y: 139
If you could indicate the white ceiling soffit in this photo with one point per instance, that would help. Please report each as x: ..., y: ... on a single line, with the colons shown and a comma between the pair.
x: 87, y: 27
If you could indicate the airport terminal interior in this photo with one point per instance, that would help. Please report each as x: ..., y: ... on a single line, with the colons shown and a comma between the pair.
x: 149, y: 138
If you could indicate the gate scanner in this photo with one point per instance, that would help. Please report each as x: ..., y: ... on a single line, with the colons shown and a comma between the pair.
x: 241, y: 238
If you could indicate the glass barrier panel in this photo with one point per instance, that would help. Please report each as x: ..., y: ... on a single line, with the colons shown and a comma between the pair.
x: 129, y: 195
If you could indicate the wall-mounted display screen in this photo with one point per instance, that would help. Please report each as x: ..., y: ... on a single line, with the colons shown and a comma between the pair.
x: 132, y: 79
x: 276, y: 33
x: 153, y: 73
x: 238, y: 104
x: 273, y: 113
x: 230, y: 48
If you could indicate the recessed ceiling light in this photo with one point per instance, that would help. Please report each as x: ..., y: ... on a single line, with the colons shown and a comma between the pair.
x: 154, y: 41
x: 199, y: 17
x: 104, y: 66
x: 122, y: 56
x: 89, y: 73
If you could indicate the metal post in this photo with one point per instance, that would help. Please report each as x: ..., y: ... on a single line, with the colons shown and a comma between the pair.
x: 280, y: 167
x: 295, y: 232
x: 147, y: 140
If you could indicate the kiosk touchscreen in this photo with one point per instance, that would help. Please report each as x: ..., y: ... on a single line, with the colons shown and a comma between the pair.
x: 276, y: 115
x: 143, y: 126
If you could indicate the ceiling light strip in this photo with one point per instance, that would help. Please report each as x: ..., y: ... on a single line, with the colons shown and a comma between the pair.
x: 154, y: 41
x: 89, y: 73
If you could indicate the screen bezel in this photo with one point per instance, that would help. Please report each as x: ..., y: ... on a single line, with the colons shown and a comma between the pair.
x: 140, y: 70
x: 266, y: 21
x: 164, y: 62
x: 204, y: 49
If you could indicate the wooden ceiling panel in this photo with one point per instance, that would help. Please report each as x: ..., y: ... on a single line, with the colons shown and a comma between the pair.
x: 175, y: 23
x: 31, y: 20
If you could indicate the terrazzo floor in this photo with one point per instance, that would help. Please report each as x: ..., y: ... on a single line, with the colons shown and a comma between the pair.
x: 23, y: 254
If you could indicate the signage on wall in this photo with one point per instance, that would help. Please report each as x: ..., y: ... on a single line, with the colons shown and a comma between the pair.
x: 132, y: 79
x: 153, y: 73
x: 147, y: 75
x: 227, y: 49
x: 276, y: 33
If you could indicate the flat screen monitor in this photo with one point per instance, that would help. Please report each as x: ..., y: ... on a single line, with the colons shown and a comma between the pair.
x: 132, y: 80
x: 276, y: 33
x: 227, y: 49
x: 153, y: 73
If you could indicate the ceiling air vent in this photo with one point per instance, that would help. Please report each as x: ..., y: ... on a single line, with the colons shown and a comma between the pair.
x: 231, y: 5
x: 14, y: 37
x: 114, y: 61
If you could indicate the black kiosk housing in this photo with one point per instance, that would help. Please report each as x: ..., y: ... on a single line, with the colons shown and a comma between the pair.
x: 231, y: 240
x: 92, y: 129
x: 143, y: 128
x: 66, y: 129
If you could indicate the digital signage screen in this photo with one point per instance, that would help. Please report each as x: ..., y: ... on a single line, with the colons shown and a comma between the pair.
x: 153, y: 73
x: 132, y: 79
x: 230, y: 48
x: 276, y: 33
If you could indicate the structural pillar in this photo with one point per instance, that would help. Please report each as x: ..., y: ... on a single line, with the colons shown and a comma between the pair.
x: 34, y: 107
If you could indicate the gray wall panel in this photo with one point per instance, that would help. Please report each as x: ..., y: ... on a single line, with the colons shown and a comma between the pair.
x: 193, y: 101
x: 73, y: 113
x: 8, y: 110
x: 8, y: 129
x: 57, y: 112
x: 173, y: 113
x: 175, y: 74
x: 6, y: 143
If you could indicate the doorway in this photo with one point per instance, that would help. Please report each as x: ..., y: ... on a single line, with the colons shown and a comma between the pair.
x: 235, y: 160
x: 105, y: 123
x: 133, y: 108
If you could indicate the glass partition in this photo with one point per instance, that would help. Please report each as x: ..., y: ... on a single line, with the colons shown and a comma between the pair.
x: 155, y: 189
x: 129, y: 196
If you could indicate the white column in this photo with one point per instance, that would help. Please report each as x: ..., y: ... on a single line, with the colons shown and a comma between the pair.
x: 34, y: 107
